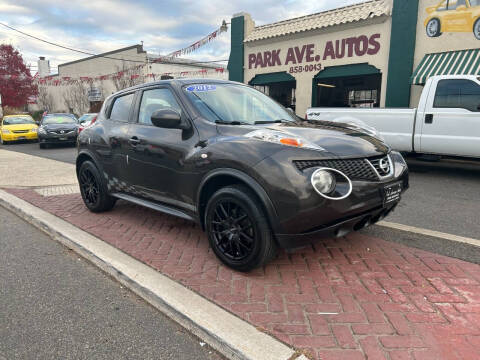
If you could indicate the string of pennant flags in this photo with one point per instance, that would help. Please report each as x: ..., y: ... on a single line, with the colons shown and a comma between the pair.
x: 67, y: 80
x: 55, y: 80
x: 200, y: 43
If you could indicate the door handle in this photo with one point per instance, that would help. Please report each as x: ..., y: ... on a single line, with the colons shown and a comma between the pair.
x: 134, y: 141
x: 428, y: 118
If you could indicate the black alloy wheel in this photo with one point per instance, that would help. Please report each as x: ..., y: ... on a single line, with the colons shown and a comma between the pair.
x: 238, y: 230
x: 233, y: 230
x: 93, y: 189
x: 90, y: 187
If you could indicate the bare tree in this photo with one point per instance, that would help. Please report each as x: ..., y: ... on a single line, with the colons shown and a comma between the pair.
x: 127, y: 76
x: 45, y: 98
x: 75, y: 98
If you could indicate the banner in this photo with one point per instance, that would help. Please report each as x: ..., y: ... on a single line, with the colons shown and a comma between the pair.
x: 199, y: 43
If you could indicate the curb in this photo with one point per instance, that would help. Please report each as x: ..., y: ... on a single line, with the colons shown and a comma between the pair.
x: 231, y: 336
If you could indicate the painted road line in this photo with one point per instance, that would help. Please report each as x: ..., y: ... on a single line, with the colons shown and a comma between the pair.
x: 428, y: 232
x: 234, y: 338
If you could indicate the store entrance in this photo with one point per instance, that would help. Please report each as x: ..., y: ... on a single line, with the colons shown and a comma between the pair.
x: 350, y: 91
x: 283, y: 93
x: 95, y: 106
x: 279, y: 86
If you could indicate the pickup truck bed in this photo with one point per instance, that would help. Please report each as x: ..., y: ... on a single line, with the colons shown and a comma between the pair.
x: 446, y: 122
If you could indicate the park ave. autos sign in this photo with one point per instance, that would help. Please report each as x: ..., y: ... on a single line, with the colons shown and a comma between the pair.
x: 309, y: 53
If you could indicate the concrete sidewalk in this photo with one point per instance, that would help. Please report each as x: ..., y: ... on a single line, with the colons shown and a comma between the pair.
x: 21, y: 170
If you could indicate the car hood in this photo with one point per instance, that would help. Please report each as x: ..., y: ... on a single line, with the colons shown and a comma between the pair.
x: 339, y: 139
x: 16, y: 127
x: 68, y: 127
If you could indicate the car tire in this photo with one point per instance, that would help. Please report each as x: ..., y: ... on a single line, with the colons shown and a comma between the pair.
x: 3, y: 142
x: 433, y: 28
x: 238, y: 229
x: 476, y: 29
x: 93, y: 188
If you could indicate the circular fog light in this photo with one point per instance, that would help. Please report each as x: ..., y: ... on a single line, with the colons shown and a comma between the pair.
x: 323, y: 181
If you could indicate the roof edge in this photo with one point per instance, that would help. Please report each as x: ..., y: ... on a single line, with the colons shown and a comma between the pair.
x: 139, y: 48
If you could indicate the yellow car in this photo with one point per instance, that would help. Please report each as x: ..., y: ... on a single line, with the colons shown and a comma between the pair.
x: 453, y: 16
x: 17, y: 127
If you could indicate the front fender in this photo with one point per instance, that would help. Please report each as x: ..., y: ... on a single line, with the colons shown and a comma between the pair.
x: 250, y: 182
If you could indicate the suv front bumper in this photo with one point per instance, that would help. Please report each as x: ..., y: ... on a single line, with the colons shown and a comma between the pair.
x: 302, y: 216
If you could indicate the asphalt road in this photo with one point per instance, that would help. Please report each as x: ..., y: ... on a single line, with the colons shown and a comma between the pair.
x: 65, y: 153
x: 443, y: 196
x: 55, y: 305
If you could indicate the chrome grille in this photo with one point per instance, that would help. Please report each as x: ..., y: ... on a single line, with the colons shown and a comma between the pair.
x: 61, y: 132
x: 382, y: 165
x: 355, y: 169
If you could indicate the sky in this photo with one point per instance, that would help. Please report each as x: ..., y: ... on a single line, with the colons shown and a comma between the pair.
x: 164, y: 26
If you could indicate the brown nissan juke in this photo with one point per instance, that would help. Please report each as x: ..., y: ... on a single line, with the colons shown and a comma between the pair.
x: 254, y: 175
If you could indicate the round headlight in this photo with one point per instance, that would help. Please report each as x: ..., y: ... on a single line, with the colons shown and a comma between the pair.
x: 323, y: 181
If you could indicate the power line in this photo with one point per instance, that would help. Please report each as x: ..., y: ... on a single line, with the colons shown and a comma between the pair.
x: 66, y: 47
x: 103, y: 56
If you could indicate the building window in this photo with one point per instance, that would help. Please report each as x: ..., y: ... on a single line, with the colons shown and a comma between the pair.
x: 362, y: 98
x: 263, y: 88
x: 349, y: 91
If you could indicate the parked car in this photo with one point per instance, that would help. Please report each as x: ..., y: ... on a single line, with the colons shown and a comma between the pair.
x: 453, y: 16
x: 58, y: 129
x: 86, y: 120
x: 17, y: 127
x: 251, y: 173
x: 446, y: 122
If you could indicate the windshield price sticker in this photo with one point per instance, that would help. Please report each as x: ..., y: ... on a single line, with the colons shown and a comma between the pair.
x: 196, y: 88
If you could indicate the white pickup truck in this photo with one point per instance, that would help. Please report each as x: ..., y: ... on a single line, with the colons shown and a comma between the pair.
x: 447, y: 121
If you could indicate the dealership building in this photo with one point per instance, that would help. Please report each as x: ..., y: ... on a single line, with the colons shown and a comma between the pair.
x: 376, y: 53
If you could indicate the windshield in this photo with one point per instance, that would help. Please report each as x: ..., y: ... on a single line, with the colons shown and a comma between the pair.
x: 58, y: 119
x: 18, y: 120
x: 474, y: 2
x: 232, y: 103
x: 86, y: 117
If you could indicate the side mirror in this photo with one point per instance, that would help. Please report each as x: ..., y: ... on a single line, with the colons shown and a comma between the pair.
x: 168, y: 119
x: 290, y: 110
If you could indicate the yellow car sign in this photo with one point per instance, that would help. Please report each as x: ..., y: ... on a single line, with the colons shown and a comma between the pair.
x: 453, y: 16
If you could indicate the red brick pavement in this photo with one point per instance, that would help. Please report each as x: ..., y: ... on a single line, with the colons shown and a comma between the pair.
x: 351, y: 298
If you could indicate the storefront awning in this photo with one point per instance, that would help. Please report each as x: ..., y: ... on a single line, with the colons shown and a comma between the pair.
x: 347, y: 71
x: 464, y: 62
x: 265, y: 79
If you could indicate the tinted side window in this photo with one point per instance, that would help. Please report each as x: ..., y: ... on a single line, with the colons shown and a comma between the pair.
x: 464, y: 94
x: 121, y: 108
x: 154, y: 100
